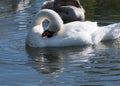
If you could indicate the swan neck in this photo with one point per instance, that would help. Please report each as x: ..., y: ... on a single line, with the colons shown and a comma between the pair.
x: 55, y: 21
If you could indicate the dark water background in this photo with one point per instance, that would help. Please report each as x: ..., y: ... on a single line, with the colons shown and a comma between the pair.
x: 69, y: 66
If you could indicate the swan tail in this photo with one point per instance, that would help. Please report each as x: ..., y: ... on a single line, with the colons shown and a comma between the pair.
x: 108, y: 32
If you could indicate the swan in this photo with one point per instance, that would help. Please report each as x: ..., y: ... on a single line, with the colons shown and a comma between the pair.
x: 70, y: 10
x: 75, y: 33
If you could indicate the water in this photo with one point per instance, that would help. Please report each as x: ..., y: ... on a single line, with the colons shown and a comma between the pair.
x: 68, y: 66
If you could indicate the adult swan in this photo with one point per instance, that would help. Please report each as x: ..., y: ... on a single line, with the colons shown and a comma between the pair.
x: 71, y: 34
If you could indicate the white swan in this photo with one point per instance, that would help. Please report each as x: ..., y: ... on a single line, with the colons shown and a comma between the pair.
x: 70, y: 34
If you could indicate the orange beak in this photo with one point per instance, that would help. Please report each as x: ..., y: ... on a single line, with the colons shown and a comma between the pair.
x: 47, y: 34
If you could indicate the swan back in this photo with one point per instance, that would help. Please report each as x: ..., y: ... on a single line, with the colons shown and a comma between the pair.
x: 108, y: 32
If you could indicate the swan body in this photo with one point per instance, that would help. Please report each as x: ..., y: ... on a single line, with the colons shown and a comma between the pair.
x: 76, y: 33
x: 69, y: 11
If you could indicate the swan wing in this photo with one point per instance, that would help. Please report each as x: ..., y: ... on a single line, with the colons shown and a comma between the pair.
x: 80, y: 32
x: 108, y: 32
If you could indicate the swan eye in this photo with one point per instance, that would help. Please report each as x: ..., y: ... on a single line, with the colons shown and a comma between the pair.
x: 47, y: 34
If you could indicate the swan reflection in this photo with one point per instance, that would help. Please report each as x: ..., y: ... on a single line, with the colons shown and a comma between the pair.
x: 12, y: 5
x: 50, y: 60
x: 8, y: 5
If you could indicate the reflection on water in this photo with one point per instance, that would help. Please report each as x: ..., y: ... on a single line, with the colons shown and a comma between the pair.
x: 53, y: 58
x: 67, y: 66
x: 74, y: 66
x: 8, y: 5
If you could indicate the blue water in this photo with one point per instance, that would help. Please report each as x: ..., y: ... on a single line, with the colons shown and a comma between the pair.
x: 67, y: 66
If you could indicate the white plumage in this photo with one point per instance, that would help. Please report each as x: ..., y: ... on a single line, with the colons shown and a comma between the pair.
x: 71, y: 34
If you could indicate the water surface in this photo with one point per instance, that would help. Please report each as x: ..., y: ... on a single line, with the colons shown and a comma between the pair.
x: 67, y: 66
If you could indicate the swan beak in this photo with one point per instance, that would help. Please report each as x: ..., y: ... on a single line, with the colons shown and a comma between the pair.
x: 47, y: 34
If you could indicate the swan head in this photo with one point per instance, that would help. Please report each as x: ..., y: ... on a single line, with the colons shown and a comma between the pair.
x: 55, y: 22
x: 47, y: 34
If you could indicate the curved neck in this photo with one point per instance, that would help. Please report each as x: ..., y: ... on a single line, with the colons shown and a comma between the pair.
x: 55, y: 21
